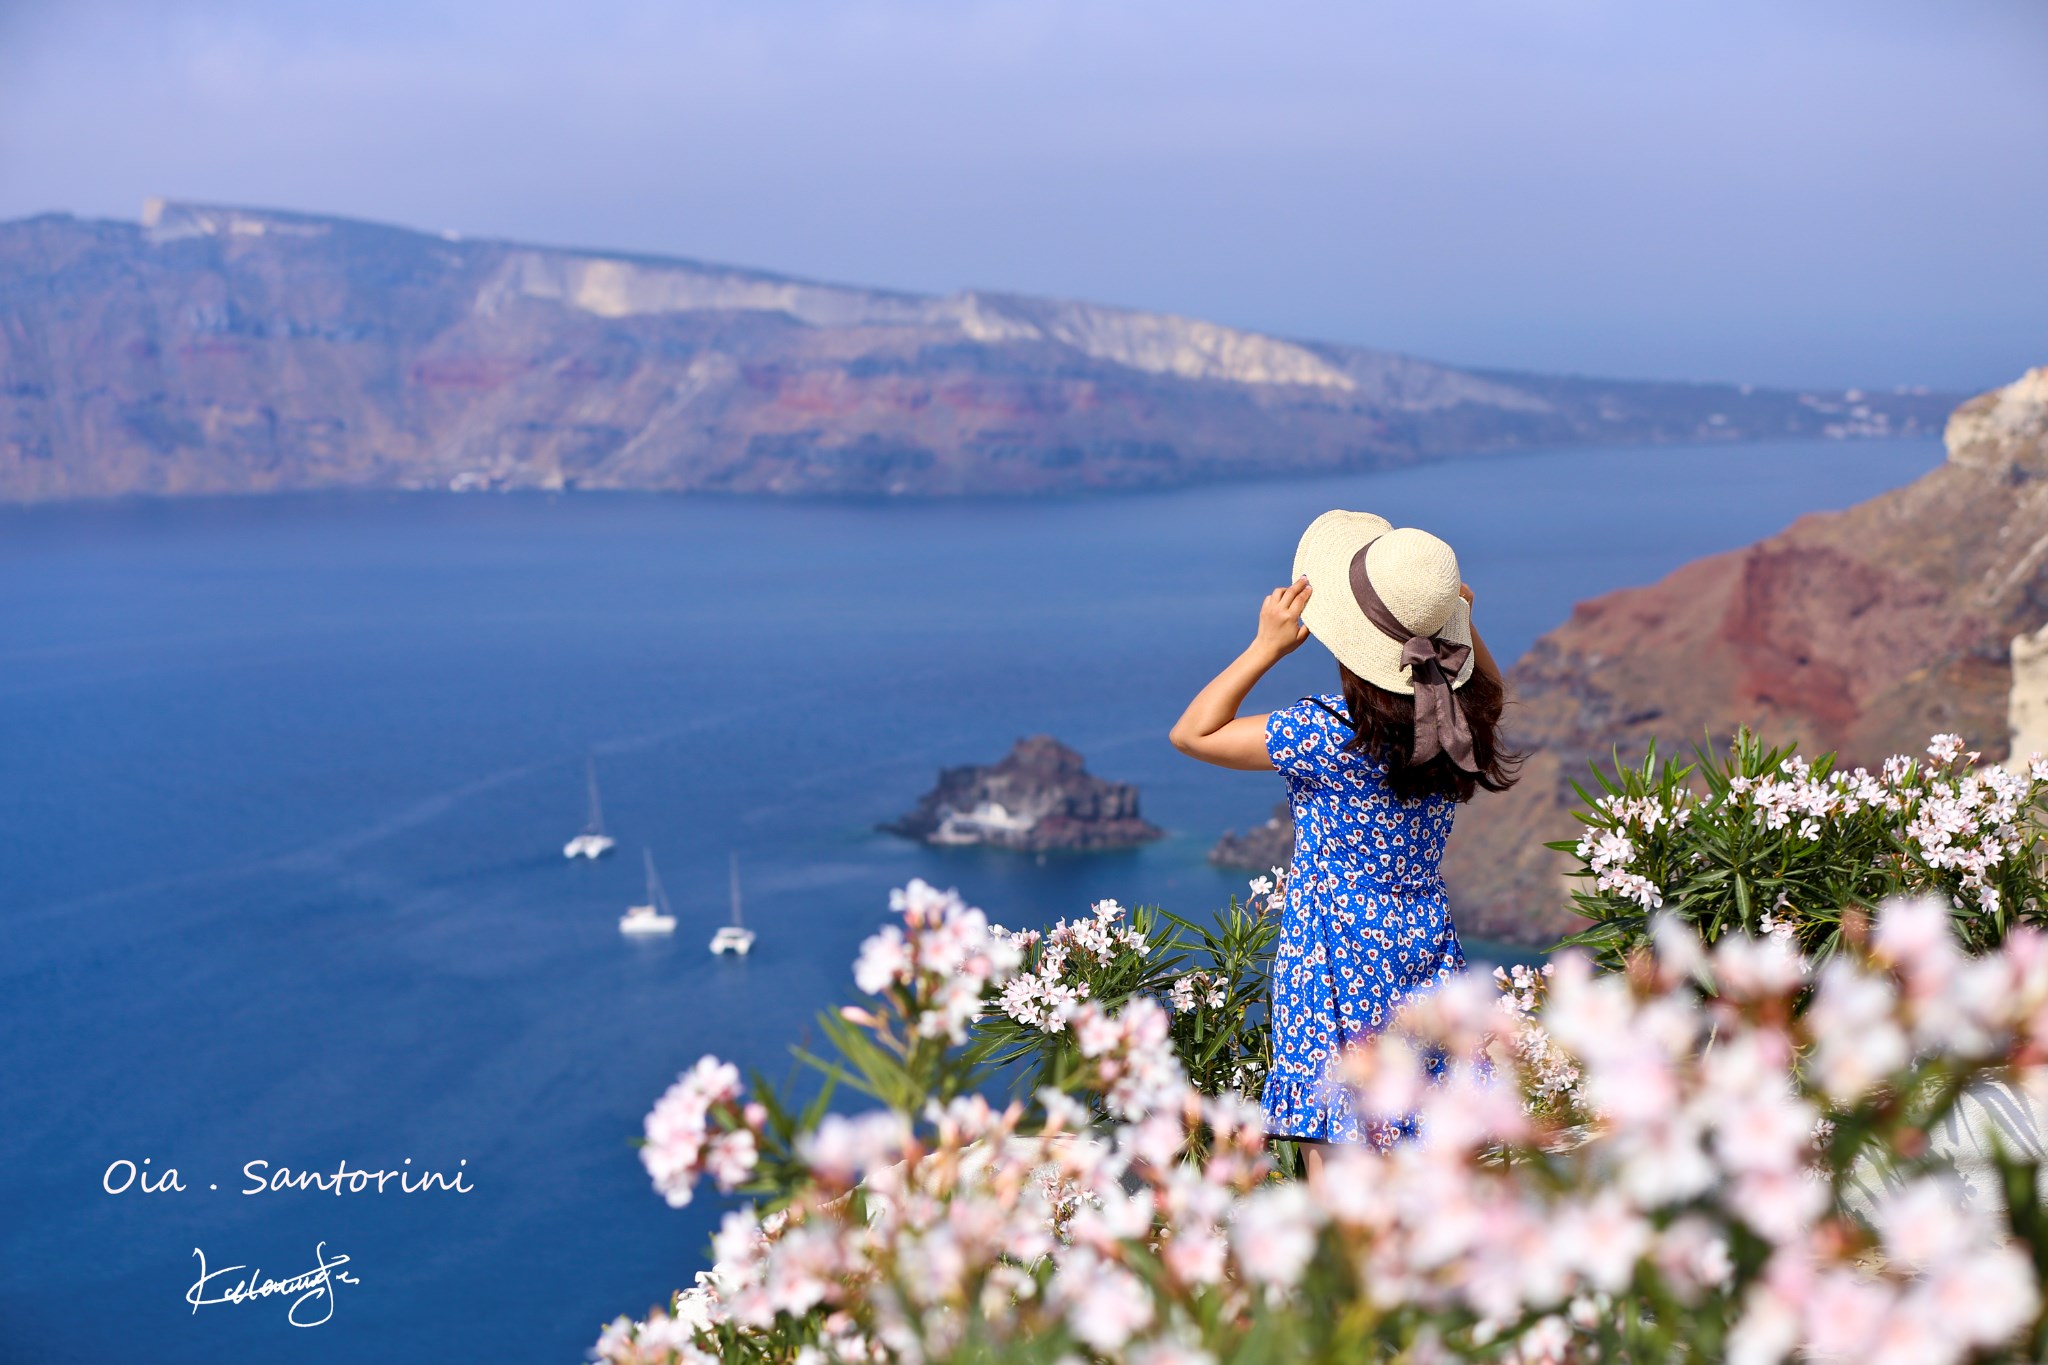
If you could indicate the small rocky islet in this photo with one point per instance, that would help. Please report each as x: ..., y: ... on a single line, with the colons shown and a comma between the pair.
x: 1038, y: 798
x: 1260, y: 848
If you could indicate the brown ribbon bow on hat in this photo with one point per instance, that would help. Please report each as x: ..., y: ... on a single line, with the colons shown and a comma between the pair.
x: 1432, y: 663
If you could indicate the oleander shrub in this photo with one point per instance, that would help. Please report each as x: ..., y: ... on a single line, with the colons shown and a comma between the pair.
x: 1119, y: 1214
x: 1758, y: 840
x: 1212, y: 978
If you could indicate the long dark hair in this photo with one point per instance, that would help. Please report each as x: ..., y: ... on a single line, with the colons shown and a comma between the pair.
x: 1383, y: 725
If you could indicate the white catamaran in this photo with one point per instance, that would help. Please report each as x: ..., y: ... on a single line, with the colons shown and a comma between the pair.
x: 654, y: 917
x: 593, y: 842
x: 734, y: 937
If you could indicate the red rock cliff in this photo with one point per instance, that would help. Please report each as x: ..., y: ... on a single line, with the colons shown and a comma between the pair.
x: 1862, y: 631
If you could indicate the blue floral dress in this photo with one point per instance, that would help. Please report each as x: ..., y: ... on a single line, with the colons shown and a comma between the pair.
x: 1366, y: 923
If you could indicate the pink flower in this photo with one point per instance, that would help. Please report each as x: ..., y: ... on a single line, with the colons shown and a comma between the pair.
x: 1274, y: 1234
x: 1680, y: 954
x: 1767, y: 1332
x: 1916, y: 935
x: 661, y: 1340
x: 1987, y: 1296
x: 884, y: 961
x: 1692, y: 1256
x: 1765, y: 1132
x: 1910, y: 1333
x: 1156, y: 1140
x: 677, y: 1127
x: 1779, y: 1206
x: 1585, y: 1013
x: 1169, y: 1353
x: 1857, y: 1044
x: 1841, y: 1313
x: 1604, y: 1239
x: 1116, y: 1217
x: 804, y: 1268
x: 729, y: 1158
x: 1195, y: 1255
x: 1756, y: 968
x: 1095, y: 1031
x: 1663, y: 1161
x: 844, y: 1150
x: 1925, y: 1224
x: 1104, y: 1304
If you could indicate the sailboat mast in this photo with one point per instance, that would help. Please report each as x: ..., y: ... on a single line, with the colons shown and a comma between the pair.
x: 735, y: 889
x: 596, y: 810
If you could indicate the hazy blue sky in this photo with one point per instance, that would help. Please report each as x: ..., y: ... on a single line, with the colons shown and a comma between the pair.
x: 1797, y: 191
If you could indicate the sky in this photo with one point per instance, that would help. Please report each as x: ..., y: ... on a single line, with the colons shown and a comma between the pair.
x: 1800, y: 192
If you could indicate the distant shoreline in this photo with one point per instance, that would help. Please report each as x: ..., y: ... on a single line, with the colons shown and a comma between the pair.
x: 395, y: 493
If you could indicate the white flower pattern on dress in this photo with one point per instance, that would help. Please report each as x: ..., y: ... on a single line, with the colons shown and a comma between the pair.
x: 1366, y: 925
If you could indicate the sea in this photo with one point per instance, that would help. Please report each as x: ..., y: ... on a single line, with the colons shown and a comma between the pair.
x: 284, y: 784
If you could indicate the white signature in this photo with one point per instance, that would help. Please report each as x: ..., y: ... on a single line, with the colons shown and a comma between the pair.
x: 315, y: 1286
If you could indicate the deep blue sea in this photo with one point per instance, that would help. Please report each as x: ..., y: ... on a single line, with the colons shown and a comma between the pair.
x: 284, y: 784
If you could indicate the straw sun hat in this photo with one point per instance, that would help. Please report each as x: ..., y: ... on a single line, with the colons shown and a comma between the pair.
x: 1412, y: 572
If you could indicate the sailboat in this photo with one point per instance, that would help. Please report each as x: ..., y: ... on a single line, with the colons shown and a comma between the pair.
x: 593, y: 842
x: 734, y: 937
x: 654, y: 917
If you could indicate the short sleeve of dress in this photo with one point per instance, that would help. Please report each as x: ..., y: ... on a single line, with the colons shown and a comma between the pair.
x: 1300, y: 740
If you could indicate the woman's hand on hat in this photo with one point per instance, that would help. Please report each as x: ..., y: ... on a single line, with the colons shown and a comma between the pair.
x: 1280, y: 628
x: 1465, y: 591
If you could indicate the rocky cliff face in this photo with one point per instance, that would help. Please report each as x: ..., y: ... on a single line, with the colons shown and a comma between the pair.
x: 1261, y: 847
x: 216, y: 349
x: 1040, y: 797
x: 1862, y: 631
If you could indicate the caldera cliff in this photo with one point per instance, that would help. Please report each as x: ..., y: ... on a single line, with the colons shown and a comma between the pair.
x: 209, y: 349
x: 1862, y: 632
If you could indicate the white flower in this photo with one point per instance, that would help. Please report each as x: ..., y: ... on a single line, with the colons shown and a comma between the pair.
x: 1194, y: 990
x: 884, y: 962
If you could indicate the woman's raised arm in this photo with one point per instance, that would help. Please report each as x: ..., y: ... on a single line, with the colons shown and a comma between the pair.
x: 1210, y: 729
